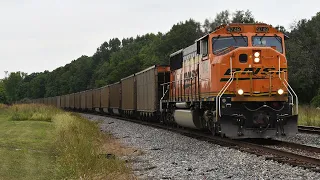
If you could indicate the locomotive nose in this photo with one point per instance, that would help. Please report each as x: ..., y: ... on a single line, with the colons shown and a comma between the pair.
x: 257, y: 56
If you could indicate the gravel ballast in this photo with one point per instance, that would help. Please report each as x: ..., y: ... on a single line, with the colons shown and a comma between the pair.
x: 303, y: 138
x: 168, y: 155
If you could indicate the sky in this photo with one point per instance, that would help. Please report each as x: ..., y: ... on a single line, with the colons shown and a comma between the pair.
x: 38, y: 35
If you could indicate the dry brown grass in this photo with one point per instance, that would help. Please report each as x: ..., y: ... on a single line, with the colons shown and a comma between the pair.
x: 113, y: 146
x: 3, y: 106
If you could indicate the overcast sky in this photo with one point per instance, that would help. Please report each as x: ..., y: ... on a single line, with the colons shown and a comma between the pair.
x: 38, y: 35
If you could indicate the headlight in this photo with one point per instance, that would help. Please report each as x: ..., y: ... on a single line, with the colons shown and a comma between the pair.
x: 256, y: 54
x: 280, y: 91
x: 256, y: 60
x: 240, y: 91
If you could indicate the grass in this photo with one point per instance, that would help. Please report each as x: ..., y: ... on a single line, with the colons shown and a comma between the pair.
x: 42, y: 142
x: 25, y: 149
x: 34, y: 112
x: 2, y: 106
x: 309, y: 116
x: 80, y: 146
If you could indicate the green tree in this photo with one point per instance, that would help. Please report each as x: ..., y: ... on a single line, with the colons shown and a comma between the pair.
x: 243, y: 17
x: 225, y: 17
x: 221, y: 18
x: 303, y: 50
x: 3, y: 95
x: 38, y: 86
x: 12, y: 84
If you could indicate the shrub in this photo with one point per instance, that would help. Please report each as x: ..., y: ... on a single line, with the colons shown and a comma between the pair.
x: 315, y: 102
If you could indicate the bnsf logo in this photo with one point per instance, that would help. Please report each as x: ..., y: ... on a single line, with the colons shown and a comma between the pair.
x: 255, y: 71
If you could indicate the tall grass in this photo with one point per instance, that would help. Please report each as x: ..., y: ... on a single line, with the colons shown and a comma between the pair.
x: 35, y: 112
x: 309, y: 116
x: 3, y: 106
x: 79, y: 146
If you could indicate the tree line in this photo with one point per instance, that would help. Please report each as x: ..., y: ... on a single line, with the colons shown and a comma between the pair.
x: 116, y: 59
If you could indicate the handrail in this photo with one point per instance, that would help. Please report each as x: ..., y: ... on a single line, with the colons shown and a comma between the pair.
x: 297, y: 100
x: 181, y: 80
x: 284, y: 84
x: 161, y: 99
x: 223, y: 90
x: 232, y: 76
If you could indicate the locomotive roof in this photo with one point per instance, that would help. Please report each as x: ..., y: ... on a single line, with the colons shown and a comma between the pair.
x: 237, y: 28
x: 244, y: 28
x: 175, y: 53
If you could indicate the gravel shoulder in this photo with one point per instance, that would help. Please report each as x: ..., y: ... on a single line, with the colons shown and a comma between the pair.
x: 168, y: 155
x: 303, y: 138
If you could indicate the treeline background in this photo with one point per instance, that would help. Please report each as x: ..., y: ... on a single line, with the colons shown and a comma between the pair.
x: 116, y: 58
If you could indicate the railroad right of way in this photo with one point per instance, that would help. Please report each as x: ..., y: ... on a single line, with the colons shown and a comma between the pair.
x: 171, y: 155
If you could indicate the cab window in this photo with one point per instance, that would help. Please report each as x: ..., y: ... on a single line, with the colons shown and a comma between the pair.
x: 268, y: 41
x: 222, y: 45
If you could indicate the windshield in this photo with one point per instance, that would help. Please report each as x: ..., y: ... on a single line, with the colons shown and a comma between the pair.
x: 268, y: 41
x: 222, y: 45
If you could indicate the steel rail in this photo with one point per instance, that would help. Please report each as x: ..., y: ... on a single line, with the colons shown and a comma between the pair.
x: 309, y: 129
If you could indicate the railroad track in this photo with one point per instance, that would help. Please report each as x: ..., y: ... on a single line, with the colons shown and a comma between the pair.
x: 309, y: 129
x: 284, y: 152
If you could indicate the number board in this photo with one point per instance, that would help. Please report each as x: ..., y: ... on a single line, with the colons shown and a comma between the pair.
x: 234, y: 29
x: 262, y: 29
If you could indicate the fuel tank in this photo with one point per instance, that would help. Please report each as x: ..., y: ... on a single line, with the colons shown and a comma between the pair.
x: 187, y: 118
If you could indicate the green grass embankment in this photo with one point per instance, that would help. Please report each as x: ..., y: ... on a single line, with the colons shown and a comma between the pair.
x: 42, y: 142
x: 309, y: 116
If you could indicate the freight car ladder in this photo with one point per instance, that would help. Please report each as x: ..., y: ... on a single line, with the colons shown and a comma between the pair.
x: 164, y: 92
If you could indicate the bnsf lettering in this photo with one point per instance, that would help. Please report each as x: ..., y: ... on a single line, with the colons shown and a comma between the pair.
x: 266, y: 70
x: 254, y: 70
x: 190, y: 74
x: 228, y: 72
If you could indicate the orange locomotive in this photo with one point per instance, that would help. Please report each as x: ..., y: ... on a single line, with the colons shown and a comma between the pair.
x: 232, y: 81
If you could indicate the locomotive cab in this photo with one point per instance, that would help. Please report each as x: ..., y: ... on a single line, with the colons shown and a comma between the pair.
x: 234, y: 82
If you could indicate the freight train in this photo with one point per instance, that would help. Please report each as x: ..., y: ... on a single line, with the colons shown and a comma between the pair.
x: 232, y: 82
